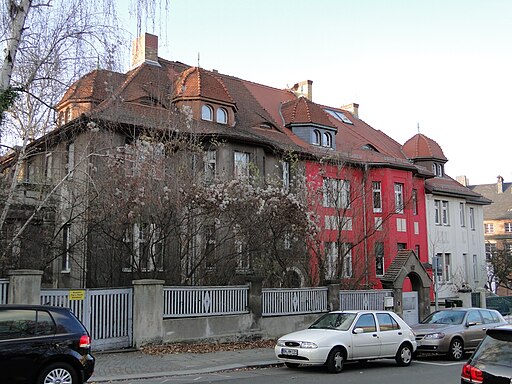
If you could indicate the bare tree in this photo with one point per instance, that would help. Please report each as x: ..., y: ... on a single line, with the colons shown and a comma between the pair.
x: 499, y: 269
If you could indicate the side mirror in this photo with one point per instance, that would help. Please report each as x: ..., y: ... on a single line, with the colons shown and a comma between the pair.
x: 358, y: 330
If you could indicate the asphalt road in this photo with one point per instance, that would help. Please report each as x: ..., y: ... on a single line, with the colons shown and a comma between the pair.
x: 423, y: 371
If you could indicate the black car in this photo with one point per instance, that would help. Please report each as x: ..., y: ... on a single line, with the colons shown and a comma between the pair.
x: 491, y: 363
x: 43, y: 345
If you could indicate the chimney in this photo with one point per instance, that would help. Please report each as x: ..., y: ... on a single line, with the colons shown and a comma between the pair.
x: 500, y: 184
x: 353, y: 108
x: 463, y: 180
x: 145, y: 50
x: 304, y: 88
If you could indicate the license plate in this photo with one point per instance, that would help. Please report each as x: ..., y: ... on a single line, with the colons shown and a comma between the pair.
x: 289, y: 352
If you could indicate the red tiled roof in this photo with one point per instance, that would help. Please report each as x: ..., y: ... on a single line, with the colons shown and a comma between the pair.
x: 302, y: 110
x: 197, y: 82
x: 421, y: 147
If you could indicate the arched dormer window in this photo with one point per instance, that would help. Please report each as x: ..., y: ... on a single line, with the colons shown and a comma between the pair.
x: 327, y: 139
x: 317, y: 137
x: 206, y: 112
x: 68, y: 114
x: 222, y: 116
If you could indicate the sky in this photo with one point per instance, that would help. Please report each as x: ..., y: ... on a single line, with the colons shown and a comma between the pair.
x: 444, y: 66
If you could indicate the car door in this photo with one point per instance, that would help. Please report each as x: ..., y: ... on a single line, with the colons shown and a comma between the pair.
x: 365, y: 344
x: 22, y: 346
x: 474, y: 329
x: 390, y: 334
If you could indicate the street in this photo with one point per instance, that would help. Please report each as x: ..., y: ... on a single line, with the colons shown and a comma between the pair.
x: 426, y: 370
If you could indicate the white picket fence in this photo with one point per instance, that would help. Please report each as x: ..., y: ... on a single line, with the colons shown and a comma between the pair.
x: 4, y: 288
x: 106, y: 313
x: 205, y: 301
x: 358, y: 300
x: 282, y: 301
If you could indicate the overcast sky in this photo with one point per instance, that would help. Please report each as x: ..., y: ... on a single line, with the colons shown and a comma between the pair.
x: 443, y: 64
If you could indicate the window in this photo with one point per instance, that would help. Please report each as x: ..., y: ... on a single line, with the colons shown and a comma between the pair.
x: 20, y: 323
x: 437, y: 169
x: 472, y: 218
x: 401, y: 225
x: 399, y: 198
x: 241, y: 165
x: 206, y: 112
x: 508, y: 248
x: 286, y: 175
x: 242, y: 255
x: 48, y: 162
x: 414, y: 202
x: 490, y: 250
x: 377, y: 196
x: 379, y: 259
x: 386, y: 322
x: 338, y: 260
x: 147, y: 247
x: 378, y: 223
x: 317, y: 137
x: 367, y: 323
x: 210, y: 246
x: 336, y: 193
x: 401, y: 246
x: 210, y: 164
x: 444, y: 262
x: 475, y: 268
x: 222, y: 116
x: 462, y: 214
x: 508, y: 227
x: 489, y: 228
x: 327, y: 140
x: 437, y: 212
x: 70, y: 159
x: 444, y: 213
x: 66, y: 248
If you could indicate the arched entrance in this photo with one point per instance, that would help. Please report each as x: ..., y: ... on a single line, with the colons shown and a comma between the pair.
x: 407, y: 265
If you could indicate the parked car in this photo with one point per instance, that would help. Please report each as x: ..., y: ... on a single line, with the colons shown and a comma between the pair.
x: 455, y: 331
x: 342, y: 336
x: 491, y: 363
x: 43, y: 345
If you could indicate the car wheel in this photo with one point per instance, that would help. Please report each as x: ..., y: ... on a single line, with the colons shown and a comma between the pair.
x: 335, y: 360
x: 404, y: 355
x: 58, y: 373
x: 456, y: 351
x: 291, y: 365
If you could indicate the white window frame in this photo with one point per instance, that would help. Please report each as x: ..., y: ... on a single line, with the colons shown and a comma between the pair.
x: 377, y: 196
x: 222, y: 116
x: 399, y: 198
x: 379, y: 246
x: 66, y: 248
x: 462, y: 214
x: 206, y: 112
x: 285, y: 165
x: 488, y: 228
x: 336, y: 193
x: 445, y: 212
x: 508, y: 227
x: 210, y: 164
x: 241, y: 164
x: 472, y: 218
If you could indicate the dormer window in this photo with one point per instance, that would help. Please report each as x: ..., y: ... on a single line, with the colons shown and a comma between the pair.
x: 438, y: 169
x: 317, y: 137
x: 206, y: 112
x: 222, y: 116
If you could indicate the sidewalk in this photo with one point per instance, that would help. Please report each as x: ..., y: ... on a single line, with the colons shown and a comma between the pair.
x: 135, y: 364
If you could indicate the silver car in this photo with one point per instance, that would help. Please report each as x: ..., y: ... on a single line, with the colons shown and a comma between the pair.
x: 342, y: 336
x: 454, y: 331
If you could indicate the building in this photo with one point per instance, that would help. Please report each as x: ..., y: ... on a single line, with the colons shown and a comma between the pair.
x: 498, y: 234
x: 144, y: 172
x: 454, y: 214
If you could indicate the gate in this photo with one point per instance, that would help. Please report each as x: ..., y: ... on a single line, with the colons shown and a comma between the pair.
x: 364, y: 300
x: 410, y: 307
x: 106, y: 313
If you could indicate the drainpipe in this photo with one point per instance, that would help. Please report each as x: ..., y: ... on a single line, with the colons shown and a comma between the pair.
x: 365, y: 229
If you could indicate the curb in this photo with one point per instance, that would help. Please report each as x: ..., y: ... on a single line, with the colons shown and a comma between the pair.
x: 150, y: 375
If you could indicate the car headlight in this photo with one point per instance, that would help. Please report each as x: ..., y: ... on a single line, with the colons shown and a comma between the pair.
x: 437, y: 335
x: 308, y: 345
x: 280, y: 343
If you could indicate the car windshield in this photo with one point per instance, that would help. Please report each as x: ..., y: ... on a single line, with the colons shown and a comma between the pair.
x: 339, y: 321
x: 445, y: 317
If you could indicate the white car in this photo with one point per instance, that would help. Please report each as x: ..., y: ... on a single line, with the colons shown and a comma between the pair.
x: 342, y: 336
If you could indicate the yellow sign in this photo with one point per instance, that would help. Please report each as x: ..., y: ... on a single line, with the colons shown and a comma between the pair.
x: 77, y: 295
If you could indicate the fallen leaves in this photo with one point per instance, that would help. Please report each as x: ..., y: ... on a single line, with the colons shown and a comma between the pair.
x: 175, y: 348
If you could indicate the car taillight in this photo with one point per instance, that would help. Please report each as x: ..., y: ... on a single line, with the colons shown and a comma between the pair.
x: 472, y: 374
x: 85, y: 341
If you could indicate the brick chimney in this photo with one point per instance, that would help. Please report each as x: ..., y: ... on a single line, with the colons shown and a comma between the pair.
x: 500, y: 184
x: 304, y: 88
x: 145, y: 50
x: 353, y: 108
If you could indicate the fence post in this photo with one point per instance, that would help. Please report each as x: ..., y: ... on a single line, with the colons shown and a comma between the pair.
x: 24, y: 286
x: 255, y: 299
x: 333, y: 296
x: 148, y: 311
